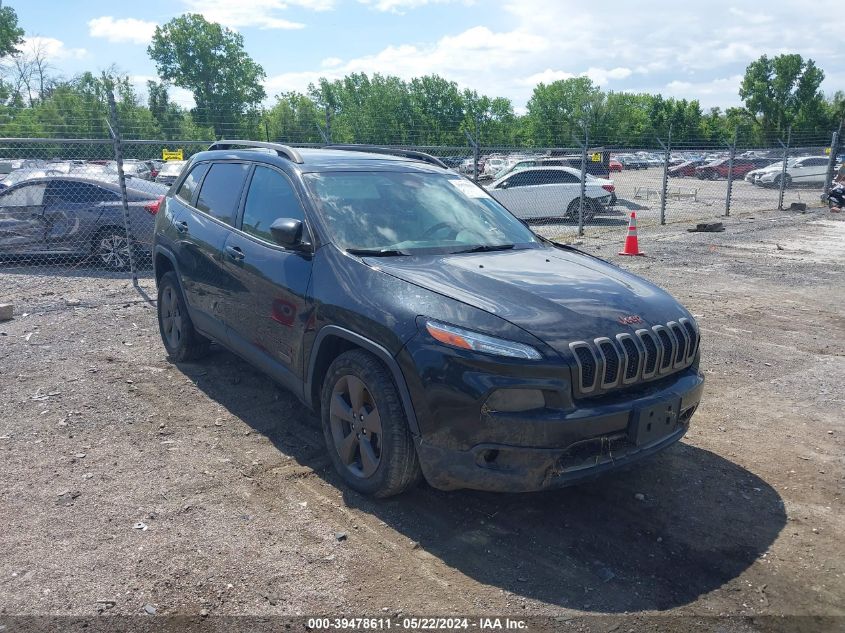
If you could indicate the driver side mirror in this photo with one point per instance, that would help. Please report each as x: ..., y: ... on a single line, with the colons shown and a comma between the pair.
x: 287, y: 232
x: 504, y: 185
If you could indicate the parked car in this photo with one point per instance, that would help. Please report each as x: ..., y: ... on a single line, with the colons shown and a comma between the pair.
x: 72, y: 216
x: 806, y: 170
x: 685, y: 169
x: 19, y: 175
x: 614, y: 165
x: 632, y: 162
x: 719, y: 169
x: 435, y: 334
x: 544, y: 192
x: 170, y: 171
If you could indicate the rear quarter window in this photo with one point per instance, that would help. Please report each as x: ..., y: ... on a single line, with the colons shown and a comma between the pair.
x: 190, y: 184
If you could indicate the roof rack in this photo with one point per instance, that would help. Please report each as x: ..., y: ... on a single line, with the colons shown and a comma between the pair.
x: 282, y: 150
x: 392, y: 151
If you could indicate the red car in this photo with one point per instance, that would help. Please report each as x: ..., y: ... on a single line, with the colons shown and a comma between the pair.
x: 719, y: 169
x: 614, y: 165
x: 684, y: 169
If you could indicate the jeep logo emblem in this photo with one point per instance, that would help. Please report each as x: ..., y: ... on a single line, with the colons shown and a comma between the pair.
x: 631, y: 319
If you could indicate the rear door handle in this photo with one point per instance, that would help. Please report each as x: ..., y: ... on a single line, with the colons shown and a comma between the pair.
x: 182, y: 227
x: 235, y: 253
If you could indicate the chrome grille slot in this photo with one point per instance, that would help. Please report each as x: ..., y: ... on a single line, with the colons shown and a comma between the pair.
x: 651, y: 353
x: 586, y: 360
x: 683, y: 343
x: 694, y: 338
x: 667, y: 342
x: 612, y: 362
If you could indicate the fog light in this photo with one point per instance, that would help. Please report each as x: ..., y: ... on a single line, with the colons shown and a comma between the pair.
x: 513, y: 400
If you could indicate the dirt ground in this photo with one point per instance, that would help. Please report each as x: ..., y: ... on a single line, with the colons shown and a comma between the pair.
x: 130, y: 483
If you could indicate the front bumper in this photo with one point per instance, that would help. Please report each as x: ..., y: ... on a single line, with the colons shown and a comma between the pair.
x: 551, y: 449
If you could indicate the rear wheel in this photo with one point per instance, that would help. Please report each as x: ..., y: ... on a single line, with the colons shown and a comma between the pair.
x: 365, y: 427
x: 111, y: 249
x: 589, y: 209
x: 181, y: 340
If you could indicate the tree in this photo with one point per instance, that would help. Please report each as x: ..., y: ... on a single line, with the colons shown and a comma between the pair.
x: 11, y: 35
x: 210, y: 61
x: 558, y: 110
x: 783, y: 91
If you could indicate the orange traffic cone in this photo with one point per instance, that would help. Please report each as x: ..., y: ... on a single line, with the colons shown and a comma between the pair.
x: 632, y: 246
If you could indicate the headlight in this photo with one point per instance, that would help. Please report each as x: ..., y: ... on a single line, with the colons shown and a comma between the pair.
x: 465, y: 339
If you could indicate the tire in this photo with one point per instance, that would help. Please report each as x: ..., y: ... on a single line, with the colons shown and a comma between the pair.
x: 365, y: 427
x: 714, y: 175
x: 181, y: 340
x: 572, y: 209
x: 110, y: 248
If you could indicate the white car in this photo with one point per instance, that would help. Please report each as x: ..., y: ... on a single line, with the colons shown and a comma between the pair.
x: 550, y: 192
x: 806, y: 170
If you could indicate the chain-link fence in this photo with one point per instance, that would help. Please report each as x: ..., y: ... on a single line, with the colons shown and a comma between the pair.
x: 77, y: 215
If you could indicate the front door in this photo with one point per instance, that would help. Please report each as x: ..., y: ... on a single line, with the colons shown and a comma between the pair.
x: 271, y: 313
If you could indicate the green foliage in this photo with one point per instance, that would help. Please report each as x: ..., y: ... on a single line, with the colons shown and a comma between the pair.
x: 11, y: 35
x: 210, y: 61
x: 783, y: 92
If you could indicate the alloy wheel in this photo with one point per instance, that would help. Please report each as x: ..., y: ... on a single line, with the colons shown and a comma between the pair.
x: 355, y: 426
x: 114, y: 251
x: 171, y: 317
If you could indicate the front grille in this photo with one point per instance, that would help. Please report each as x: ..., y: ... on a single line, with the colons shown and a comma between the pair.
x: 606, y: 363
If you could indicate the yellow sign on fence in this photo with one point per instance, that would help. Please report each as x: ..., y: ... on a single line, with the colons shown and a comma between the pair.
x: 597, y: 157
x: 827, y: 151
x: 167, y: 154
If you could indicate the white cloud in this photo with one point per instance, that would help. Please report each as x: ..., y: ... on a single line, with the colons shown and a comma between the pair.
x: 400, y: 6
x: 263, y: 14
x: 122, y: 29
x: 52, y: 49
x: 620, y: 45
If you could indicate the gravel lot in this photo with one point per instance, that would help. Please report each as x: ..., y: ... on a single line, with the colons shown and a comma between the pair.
x: 129, y: 482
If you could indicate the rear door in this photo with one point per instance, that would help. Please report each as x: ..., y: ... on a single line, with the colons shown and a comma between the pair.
x: 72, y: 213
x: 522, y: 194
x: 203, y: 227
x: 22, y: 219
x: 268, y: 311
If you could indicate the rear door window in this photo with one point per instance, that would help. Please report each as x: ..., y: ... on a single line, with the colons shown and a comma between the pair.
x: 221, y: 191
x: 70, y: 192
x: 190, y: 184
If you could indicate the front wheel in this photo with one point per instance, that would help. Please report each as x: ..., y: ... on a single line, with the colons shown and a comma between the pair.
x: 365, y: 427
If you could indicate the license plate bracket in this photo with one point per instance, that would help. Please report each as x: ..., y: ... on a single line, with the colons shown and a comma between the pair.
x: 650, y: 424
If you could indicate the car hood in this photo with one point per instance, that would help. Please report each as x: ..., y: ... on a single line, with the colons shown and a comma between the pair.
x: 556, y: 295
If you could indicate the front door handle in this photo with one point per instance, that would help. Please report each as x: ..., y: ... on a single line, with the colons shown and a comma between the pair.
x: 235, y: 253
x: 182, y: 227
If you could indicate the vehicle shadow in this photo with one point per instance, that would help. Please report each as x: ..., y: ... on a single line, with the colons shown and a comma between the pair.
x: 657, y: 536
x: 66, y: 267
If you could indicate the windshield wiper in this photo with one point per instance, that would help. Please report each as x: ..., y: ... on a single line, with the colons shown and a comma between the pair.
x: 376, y: 252
x: 486, y: 248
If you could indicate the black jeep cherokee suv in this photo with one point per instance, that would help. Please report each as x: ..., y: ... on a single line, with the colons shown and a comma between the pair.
x: 434, y: 332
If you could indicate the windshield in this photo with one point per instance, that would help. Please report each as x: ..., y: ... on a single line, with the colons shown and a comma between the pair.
x: 413, y: 212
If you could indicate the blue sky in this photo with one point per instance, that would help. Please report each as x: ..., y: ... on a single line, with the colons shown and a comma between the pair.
x: 501, y: 48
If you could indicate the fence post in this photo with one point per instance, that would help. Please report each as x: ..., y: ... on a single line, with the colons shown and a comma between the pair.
x: 831, y: 161
x: 114, y: 129
x: 583, y: 181
x: 731, y: 157
x: 783, y: 168
x: 667, y: 149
